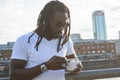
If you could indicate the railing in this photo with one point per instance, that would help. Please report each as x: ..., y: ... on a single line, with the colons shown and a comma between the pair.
x: 92, y: 70
x: 94, y: 74
x: 6, y: 78
x: 101, y: 64
x: 90, y: 74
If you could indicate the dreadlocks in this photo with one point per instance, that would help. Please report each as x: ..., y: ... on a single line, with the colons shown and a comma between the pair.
x: 50, y: 9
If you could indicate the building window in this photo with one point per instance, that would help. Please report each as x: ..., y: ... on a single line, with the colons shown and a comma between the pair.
x: 98, y: 51
x: 84, y: 52
x: 98, y: 47
x: 112, y: 45
x: 0, y: 54
x: 93, y: 51
x: 112, y: 51
x: 83, y: 48
x: 93, y: 47
x: 88, y: 47
x: 103, y: 51
x: 88, y: 52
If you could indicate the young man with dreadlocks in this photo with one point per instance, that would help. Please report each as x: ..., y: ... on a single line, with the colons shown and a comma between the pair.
x: 40, y: 55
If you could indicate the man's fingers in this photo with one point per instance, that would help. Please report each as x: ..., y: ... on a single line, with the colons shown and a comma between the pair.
x: 75, y: 71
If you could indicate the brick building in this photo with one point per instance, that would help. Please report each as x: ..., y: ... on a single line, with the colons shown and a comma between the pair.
x: 88, y: 48
x: 5, y: 51
x: 5, y: 55
x: 96, y: 50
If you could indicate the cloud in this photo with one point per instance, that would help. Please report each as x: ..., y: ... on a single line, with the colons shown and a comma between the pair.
x: 18, y: 17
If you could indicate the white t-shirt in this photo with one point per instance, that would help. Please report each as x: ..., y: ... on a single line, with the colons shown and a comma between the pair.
x: 47, y: 49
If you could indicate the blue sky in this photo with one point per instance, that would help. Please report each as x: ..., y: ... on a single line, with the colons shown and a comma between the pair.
x: 18, y: 17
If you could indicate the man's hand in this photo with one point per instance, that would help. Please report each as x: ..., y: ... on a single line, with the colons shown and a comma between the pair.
x: 78, y: 69
x: 55, y: 63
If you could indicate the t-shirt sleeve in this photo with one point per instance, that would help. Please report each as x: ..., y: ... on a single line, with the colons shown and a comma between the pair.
x: 70, y: 47
x: 19, y: 50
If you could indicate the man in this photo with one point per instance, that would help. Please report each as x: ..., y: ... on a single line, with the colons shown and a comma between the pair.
x: 42, y: 54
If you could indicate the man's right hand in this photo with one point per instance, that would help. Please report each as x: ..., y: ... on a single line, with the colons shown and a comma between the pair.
x: 55, y: 63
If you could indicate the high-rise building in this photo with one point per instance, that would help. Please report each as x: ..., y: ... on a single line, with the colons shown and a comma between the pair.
x: 119, y: 34
x: 99, y: 26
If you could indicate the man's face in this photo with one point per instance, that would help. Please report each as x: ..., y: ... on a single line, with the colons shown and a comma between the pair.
x: 57, y: 24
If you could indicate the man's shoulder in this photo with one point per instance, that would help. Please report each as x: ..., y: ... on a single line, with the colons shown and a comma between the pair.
x: 24, y: 37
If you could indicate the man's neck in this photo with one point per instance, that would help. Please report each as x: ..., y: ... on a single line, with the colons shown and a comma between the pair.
x: 47, y: 35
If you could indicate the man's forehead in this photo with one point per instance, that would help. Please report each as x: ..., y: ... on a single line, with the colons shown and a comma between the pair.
x: 61, y: 15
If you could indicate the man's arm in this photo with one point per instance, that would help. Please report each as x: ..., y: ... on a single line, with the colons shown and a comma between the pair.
x: 70, y: 56
x: 19, y: 72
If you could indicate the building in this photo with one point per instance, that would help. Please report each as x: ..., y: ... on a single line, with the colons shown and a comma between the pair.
x: 76, y: 37
x: 99, y: 25
x: 117, y: 43
x: 7, y: 46
x: 96, y: 50
x: 5, y: 55
x: 119, y: 35
x: 5, y: 51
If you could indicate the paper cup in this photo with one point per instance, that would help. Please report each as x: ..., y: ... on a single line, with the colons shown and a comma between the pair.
x: 72, y: 64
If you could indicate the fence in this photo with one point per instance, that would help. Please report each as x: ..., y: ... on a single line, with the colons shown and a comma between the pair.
x: 90, y: 74
x: 94, y: 74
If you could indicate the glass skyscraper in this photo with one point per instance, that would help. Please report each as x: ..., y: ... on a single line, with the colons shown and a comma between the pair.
x: 99, y: 26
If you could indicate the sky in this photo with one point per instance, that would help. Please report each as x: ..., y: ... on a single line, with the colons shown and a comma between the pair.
x: 18, y: 17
